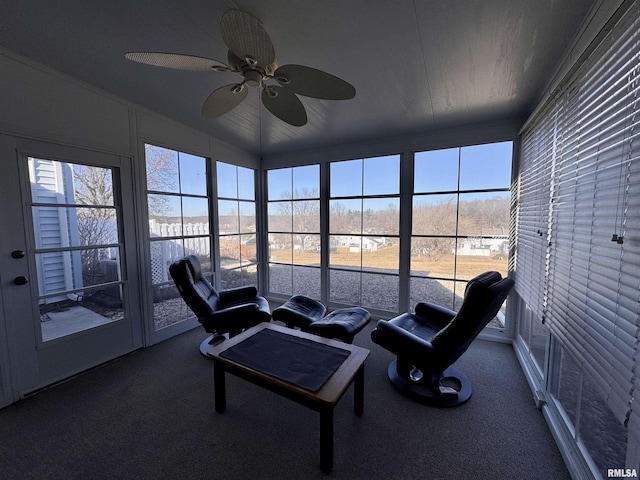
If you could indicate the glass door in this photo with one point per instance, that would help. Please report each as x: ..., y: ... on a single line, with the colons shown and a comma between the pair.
x: 76, y: 285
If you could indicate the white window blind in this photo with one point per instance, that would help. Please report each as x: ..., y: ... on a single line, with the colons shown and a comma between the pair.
x: 534, y: 183
x: 593, y: 283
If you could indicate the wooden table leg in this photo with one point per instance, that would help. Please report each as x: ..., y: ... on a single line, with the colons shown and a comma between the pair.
x: 219, y: 389
x: 358, y: 392
x: 326, y: 440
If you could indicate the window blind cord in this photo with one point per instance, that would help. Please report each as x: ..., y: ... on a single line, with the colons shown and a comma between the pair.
x: 260, y: 131
x: 627, y: 144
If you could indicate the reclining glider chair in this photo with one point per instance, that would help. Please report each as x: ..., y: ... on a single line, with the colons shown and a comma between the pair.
x: 429, y: 341
x: 229, y: 311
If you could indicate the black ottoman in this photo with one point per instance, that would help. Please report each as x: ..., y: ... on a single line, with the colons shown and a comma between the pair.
x: 299, y: 311
x: 308, y: 315
x: 342, y: 324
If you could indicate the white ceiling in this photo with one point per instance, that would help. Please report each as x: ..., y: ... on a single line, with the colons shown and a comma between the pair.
x: 417, y: 65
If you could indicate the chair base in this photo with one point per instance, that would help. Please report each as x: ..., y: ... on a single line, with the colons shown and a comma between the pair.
x: 211, y: 341
x: 454, y: 387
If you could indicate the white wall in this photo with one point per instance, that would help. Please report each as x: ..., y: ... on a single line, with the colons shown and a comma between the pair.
x: 40, y: 103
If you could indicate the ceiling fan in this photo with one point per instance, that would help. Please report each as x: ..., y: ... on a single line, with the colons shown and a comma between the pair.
x: 252, y: 56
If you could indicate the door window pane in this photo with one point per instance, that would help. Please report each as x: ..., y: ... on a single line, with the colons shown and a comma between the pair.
x: 73, y: 206
x: 92, y: 225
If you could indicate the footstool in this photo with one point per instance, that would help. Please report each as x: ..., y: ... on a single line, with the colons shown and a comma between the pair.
x: 308, y: 315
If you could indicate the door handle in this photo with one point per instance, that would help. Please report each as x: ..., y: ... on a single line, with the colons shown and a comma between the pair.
x: 21, y: 280
x: 18, y: 254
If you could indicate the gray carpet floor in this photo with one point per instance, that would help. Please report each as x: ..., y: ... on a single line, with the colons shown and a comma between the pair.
x: 150, y: 415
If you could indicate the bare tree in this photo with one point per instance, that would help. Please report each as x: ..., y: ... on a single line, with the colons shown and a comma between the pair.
x: 162, y: 176
x: 439, y: 222
x: 97, y: 223
x: 296, y: 212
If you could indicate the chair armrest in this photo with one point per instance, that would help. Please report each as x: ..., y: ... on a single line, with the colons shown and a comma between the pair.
x: 231, y: 317
x: 401, y: 341
x: 441, y: 316
x: 238, y: 293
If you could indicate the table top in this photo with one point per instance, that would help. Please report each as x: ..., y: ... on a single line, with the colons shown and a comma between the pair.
x: 335, y: 386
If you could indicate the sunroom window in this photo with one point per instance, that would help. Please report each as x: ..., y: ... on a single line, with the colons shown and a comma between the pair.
x: 460, y: 220
x: 364, y: 232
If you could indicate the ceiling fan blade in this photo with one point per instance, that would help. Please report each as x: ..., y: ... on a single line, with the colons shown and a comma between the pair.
x: 223, y: 100
x: 246, y: 38
x: 285, y: 105
x: 177, y: 61
x: 311, y: 82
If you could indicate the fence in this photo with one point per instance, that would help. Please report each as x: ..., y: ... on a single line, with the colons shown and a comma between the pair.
x: 165, y: 250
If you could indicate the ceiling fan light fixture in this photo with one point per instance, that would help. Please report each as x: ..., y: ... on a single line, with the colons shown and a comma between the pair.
x: 253, y: 78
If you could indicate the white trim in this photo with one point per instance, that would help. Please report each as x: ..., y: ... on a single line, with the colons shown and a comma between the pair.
x: 575, y: 461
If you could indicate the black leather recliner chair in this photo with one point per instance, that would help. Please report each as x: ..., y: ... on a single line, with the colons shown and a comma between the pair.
x: 429, y: 341
x: 229, y: 311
